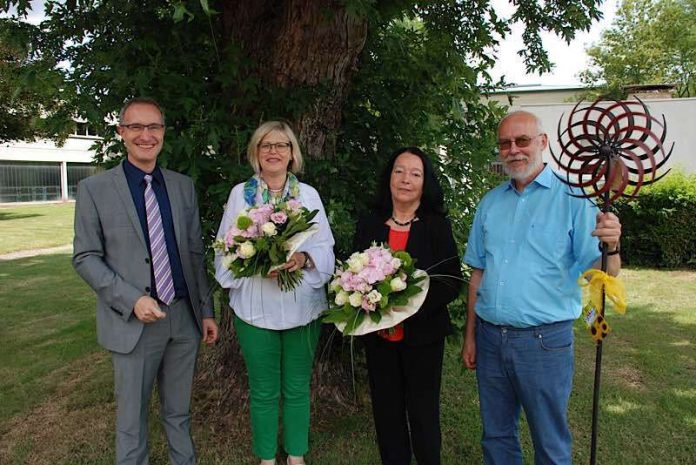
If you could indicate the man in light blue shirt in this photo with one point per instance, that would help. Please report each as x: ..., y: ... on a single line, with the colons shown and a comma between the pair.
x: 529, y: 243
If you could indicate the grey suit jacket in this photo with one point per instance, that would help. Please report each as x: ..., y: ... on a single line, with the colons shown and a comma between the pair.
x: 110, y: 252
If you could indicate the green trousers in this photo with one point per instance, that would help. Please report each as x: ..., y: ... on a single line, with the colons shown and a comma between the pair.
x: 279, y: 362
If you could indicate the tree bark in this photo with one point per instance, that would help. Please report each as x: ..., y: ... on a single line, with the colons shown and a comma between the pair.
x: 302, y: 43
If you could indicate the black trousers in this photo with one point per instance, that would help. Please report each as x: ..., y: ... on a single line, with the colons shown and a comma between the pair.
x: 405, y: 389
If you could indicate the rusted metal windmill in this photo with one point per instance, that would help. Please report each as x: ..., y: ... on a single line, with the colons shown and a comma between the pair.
x: 610, y: 149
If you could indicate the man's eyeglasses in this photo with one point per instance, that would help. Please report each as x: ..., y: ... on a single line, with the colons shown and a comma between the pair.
x: 521, y: 142
x: 137, y: 127
x: 280, y: 147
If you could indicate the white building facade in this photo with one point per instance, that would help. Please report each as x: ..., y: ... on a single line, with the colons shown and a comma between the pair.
x: 41, y: 171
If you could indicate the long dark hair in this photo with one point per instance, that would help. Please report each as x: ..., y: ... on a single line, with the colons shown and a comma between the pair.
x: 432, y: 200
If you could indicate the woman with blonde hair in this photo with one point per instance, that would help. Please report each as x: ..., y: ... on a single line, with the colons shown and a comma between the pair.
x: 278, y: 331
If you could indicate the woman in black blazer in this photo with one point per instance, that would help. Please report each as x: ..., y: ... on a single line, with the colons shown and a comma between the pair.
x: 405, y: 363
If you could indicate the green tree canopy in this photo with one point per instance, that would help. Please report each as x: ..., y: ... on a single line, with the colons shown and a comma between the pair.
x: 357, y: 79
x: 650, y: 42
x: 32, y: 97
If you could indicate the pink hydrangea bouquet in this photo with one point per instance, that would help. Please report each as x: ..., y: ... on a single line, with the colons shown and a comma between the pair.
x: 263, y: 238
x: 375, y: 289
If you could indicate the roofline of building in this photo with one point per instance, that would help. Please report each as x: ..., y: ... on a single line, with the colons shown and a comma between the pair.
x: 536, y: 88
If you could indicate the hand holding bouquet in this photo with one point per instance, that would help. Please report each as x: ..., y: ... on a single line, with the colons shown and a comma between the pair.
x: 263, y: 238
x: 375, y: 289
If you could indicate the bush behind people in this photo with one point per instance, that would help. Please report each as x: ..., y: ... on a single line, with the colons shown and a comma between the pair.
x: 658, y: 226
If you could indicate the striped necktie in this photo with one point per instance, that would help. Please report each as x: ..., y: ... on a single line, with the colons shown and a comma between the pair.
x: 158, y: 246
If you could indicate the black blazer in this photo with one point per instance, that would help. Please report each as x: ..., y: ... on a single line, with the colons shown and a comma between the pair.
x: 431, y: 242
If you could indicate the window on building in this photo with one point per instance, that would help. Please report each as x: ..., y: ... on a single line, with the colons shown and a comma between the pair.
x: 76, y: 173
x: 497, y: 168
x: 84, y: 129
x: 29, y: 181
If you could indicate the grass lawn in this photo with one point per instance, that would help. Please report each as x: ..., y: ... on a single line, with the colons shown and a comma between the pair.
x: 36, y: 226
x: 57, y: 403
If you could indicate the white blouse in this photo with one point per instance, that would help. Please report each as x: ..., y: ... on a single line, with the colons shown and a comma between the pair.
x: 258, y: 300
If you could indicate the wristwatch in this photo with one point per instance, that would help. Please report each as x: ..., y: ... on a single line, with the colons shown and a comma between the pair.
x: 616, y: 251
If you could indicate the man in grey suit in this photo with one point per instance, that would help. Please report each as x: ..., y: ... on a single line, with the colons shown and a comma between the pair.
x: 138, y: 244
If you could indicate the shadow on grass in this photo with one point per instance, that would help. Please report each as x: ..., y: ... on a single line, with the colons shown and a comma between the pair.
x: 647, y: 410
x: 17, y: 216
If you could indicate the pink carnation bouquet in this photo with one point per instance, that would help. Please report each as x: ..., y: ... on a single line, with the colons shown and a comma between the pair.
x: 375, y: 289
x: 263, y: 238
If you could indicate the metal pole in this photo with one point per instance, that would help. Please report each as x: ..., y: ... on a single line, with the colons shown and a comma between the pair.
x: 598, y: 355
x: 597, y: 380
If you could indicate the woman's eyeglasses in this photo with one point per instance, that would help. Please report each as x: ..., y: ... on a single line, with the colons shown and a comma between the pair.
x: 280, y: 147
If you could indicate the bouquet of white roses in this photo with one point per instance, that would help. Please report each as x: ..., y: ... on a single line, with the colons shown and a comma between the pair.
x: 375, y: 289
x: 263, y: 238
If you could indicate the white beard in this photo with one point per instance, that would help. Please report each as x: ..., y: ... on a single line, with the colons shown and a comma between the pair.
x: 533, y: 166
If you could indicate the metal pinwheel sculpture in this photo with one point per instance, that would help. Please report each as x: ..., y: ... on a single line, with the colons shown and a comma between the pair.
x: 610, y: 149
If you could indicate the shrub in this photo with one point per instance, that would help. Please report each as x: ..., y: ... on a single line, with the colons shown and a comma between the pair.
x: 659, y: 227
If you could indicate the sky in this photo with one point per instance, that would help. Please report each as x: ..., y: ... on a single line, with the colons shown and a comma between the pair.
x: 569, y: 60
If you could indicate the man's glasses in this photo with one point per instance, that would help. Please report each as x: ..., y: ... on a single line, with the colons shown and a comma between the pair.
x: 280, y: 147
x: 521, y: 142
x: 137, y: 127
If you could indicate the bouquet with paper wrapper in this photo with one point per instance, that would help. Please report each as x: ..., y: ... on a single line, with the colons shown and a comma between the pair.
x: 375, y: 290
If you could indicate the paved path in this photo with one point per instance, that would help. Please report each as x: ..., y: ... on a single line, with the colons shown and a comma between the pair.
x: 34, y: 252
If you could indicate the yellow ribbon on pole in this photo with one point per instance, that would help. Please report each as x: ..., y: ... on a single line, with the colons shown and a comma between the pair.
x: 595, y: 281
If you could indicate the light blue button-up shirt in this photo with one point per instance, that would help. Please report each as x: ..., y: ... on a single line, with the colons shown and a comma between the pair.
x: 532, y: 247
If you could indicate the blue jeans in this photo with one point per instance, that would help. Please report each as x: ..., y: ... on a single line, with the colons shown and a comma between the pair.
x: 530, y: 368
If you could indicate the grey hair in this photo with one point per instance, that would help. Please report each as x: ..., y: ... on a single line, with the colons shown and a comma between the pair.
x: 537, y: 120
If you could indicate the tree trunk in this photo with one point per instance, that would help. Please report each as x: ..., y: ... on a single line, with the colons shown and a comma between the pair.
x: 302, y: 43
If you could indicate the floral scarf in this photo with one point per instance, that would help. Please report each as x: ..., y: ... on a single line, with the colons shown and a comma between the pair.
x: 255, y: 185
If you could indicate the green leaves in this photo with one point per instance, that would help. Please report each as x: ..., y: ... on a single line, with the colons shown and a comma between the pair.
x: 181, y: 12
x: 659, y: 225
x: 559, y: 16
x: 206, y: 7
x: 338, y: 315
x: 353, y: 322
x: 649, y: 42
x: 276, y: 254
x: 299, y: 223
x: 32, y: 101
x: 406, y: 260
x: 384, y: 288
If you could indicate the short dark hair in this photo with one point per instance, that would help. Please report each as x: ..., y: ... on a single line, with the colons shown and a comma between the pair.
x: 143, y: 100
x: 432, y: 200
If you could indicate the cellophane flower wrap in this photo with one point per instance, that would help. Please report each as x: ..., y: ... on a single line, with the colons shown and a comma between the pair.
x: 369, y: 286
x: 263, y: 238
